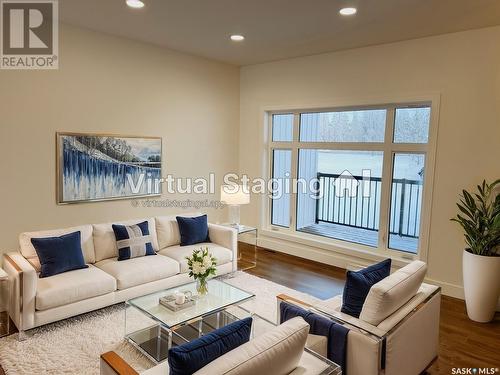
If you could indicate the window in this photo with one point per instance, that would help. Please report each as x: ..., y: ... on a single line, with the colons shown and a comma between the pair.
x: 343, y: 203
x: 412, y: 125
x: 359, y: 174
x: 282, y: 162
x: 282, y: 128
x: 406, y: 201
x: 343, y: 126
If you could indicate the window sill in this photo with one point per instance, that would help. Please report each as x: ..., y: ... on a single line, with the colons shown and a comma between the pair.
x: 339, y: 247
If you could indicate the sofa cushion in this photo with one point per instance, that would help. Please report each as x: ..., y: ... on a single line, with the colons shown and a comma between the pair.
x: 188, y: 358
x: 133, y: 240
x: 193, y: 230
x: 138, y: 271
x: 276, y: 352
x: 179, y: 253
x: 73, y: 286
x: 59, y: 254
x: 167, y: 230
x: 388, y: 295
x: 105, y: 242
x: 29, y: 252
x: 358, y: 284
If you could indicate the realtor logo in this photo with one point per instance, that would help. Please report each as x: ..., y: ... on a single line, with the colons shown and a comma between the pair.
x: 29, y: 37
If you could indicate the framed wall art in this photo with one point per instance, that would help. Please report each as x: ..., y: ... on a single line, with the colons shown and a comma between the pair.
x: 96, y: 167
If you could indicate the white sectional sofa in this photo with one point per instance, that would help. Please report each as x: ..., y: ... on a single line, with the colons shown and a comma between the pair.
x: 37, y: 301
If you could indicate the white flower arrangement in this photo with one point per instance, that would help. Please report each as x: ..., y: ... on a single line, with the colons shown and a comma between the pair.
x: 202, y: 264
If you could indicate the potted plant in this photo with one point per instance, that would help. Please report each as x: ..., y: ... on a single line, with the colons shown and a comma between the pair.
x: 201, y: 266
x: 479, y: 217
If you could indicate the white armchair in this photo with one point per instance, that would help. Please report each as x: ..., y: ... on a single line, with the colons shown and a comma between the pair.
x: 405, y: 342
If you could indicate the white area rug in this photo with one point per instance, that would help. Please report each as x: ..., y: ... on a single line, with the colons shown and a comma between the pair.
x: 73, y: 346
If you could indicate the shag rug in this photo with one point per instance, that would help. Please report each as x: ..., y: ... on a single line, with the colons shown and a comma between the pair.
x: 73, y: 346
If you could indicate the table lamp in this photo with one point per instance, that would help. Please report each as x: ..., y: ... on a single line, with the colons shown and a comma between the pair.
x: 234, y: 196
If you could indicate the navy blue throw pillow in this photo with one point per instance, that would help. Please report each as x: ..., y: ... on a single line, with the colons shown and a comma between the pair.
x: 188, y: 358
x: 59, y: 254
x: 358, y: 284
x: 133, y: 240
x: 193, y: 229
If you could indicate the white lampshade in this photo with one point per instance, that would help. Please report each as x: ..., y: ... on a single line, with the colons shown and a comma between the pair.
x: 234, y: 195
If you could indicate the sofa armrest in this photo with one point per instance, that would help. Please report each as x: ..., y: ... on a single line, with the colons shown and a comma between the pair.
x: 23, y: 281
x: 113, y: 364
x: 225, y: 237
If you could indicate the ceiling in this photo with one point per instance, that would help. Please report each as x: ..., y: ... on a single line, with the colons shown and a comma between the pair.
x: 277, y: 29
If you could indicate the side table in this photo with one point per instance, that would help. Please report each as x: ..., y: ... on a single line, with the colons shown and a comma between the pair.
x: 247, y: 236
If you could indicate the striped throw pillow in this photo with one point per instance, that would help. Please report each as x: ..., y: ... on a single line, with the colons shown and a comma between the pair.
x: 133, y: 240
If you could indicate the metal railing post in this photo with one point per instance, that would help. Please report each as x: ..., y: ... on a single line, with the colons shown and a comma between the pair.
x: 318, y: 195
x: 401, y: 206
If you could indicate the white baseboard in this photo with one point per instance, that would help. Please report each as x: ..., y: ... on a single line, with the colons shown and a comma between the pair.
x: 448, y: 289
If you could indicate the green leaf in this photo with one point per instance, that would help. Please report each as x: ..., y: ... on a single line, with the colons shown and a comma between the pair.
x: 479, y: 217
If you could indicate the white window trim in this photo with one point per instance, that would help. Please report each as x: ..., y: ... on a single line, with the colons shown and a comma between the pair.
x: 344, y: 247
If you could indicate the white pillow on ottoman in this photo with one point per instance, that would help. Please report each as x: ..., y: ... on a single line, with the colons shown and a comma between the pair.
x: 389, y: 294
x: 276, y: 352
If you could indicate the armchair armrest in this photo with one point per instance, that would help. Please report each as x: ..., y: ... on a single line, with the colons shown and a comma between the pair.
x: 23, y: 279
x: 341, y: 318
x: 225, y: 237
x: 330, y: 310
x: 113, y: 364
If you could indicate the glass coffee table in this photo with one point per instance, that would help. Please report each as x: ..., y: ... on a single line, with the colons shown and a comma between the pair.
x: 153, y: 328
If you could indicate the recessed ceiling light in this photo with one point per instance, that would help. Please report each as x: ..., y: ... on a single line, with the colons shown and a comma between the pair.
x: 348, y: 11
x: 135, y: 3
x: 237, y: 38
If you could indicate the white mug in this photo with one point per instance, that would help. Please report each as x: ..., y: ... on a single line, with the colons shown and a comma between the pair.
x: 180, y: 298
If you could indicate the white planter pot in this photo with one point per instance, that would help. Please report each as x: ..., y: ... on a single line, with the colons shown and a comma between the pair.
x: 481, y: 285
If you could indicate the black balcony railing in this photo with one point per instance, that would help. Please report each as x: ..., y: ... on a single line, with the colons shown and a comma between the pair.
x: 353, y: 201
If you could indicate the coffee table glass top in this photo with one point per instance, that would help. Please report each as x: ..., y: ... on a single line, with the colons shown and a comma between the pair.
x: 220, y: 295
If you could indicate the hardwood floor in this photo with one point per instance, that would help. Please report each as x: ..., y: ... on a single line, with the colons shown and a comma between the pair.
x: 317, y: 279
x: 462, y: 343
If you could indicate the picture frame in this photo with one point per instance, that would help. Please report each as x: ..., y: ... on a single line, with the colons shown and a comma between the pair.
x: 93, y: 167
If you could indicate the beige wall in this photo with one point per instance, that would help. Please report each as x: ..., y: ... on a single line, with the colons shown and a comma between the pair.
x: 464, y: 68
x: 111, y: 85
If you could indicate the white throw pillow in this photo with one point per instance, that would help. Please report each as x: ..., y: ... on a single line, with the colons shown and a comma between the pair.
x: 389, y: 294
x: 276, y: 352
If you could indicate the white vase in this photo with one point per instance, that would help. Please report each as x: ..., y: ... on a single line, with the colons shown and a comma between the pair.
x: 481, y: 285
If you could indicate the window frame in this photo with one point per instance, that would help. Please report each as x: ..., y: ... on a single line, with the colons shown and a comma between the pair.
x: 389, y: 149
